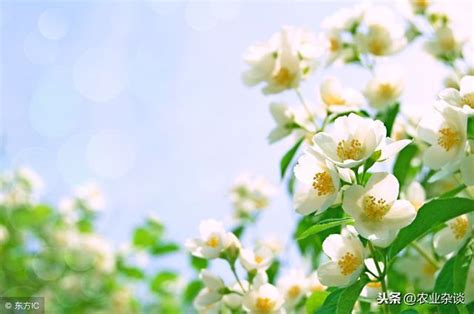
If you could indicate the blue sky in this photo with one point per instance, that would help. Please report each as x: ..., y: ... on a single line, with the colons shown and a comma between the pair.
x: 146, y: 99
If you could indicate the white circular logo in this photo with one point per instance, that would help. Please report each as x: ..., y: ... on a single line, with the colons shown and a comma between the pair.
x: 8, y: 305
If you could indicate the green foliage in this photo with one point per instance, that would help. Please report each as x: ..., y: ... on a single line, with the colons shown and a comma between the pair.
x: 341, y: 301
x: 192, y: 289
x: 430, y: 215
x: 198, y: 263
x: 323, y: 225
x: 388, y: 116
x: 402, y: 168
x: 160, y: 283
x: 288, y: 157
x: 315, y: 301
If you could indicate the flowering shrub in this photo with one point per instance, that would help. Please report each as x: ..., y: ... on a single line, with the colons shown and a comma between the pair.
x: 56, y: 254
x: 385, y: 199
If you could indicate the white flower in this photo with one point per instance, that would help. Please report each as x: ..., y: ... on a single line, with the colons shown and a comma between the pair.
x: 250, y: 193
x: 374, y: 287
x: 213, y: 240
x: 419, y: 6
x: 287, y: 120
x: 338, y: 98
x: 90, y: 196
x: 274, y: 243
x: 445, y: 130
x: 265, y: 299
x: 29, y: 177
x: 318, y: 183
x: 464, y: 97
x: 344, y: 19
x: 314, y: 284
x: 421, y: 272
x: 211, y: 292
x: 377, y: 213
x: 258, y: 259
x: 354, y: 139
x: 415, y: 194
x: 446, y: 43
x: 293, y: 287
x: 347, y: 255
x: 385, y: 88
x: 283, y: 61
x: 384, y: 35
x: 453, y: 237
x: 234, y: 300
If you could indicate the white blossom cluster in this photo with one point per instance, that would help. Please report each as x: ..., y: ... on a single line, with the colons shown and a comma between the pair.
x: 351, y: 133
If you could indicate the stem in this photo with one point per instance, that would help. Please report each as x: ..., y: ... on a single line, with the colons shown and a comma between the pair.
x: 232, y: 268
x: 425, y: 254
x: 300, y: 97
x: 381, y: 276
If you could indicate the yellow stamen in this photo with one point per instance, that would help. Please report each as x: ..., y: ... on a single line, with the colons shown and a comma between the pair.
x: 375, y: 209
x: 348, y: 263
x: 459, y: 227
x: 468, y: 100
x: 429, y: 270
x: 322, y: 182
x: 294, y: 292
x: 386, y: 90
x: 258, y: 259
x: 283, y: 77
x: 334, y: 44
x: 448, y: 138
x: 374, y: 284
x: 317, y: 287
x: 264, y: 305
x: 349, y: 149
x: 213, y: 241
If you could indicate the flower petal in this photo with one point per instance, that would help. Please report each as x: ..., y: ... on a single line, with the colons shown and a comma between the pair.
x: 383, y: 185
x: 401, y: 214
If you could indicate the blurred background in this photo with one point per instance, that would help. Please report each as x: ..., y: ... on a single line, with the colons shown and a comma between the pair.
x: 146, y: 99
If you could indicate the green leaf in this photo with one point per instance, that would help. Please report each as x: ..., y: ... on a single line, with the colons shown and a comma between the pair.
x: 273, y: 271
x: 161, y: 281
x: 341, y: 301
x: 164, y: 248
x: 461, y: 265
x: 288, y: 157
x: 238, y: 230
x: 453, y: 192
x: 372, y: 160
x: 430, y: 215
x: 131, y: 272
x: 402, y: 165
x: 143, y: 238
x: 388, y: 117
x: 324, y: 225
x: 198, y: 263
x: 315, y: 301
x: 470, y: 128
x: 192, y: 289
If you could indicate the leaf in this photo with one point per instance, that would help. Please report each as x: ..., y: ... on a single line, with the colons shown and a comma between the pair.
x: 324, y: 225
x: 470, y: 128
x: 430, y: 215
x: 162, y: 280
x: 238, y: 230
x: 315, y: 301
x: 164, y: 248
x: 402, y: 164
x: 198, y: 263
x: 453, y: 192
x: 372, y: 160
x: 288, y: 157
x: 192, y: 289
x: 131, y: 272
x: 143, y: 238
x: 341, y: 301
x: 273, y: 271
x: 388, y: 117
